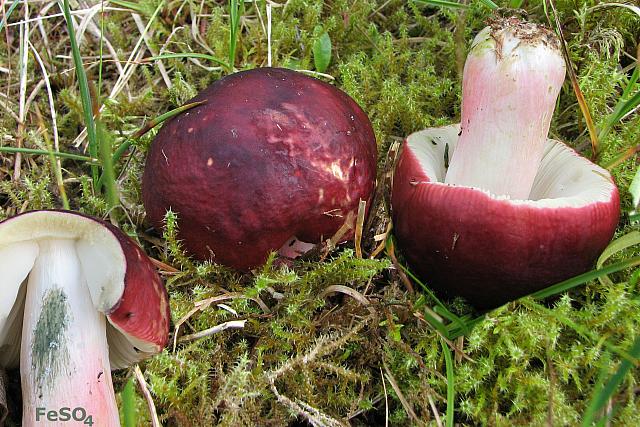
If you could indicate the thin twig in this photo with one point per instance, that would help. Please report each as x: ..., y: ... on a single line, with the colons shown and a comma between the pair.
x: 317, y: 419
x: 584, y: 107
x: 232, y: 324
x: 268, y: 34
x: 392, y: 254
x: 386, y: 399
x: 155, y: 422
x: 403, y: 400
x: 24, y: 63
x: 129, y: 68
x: 362, y: 209
x: 434, y: 409
x: 348, y: 291
x: 147, y: 42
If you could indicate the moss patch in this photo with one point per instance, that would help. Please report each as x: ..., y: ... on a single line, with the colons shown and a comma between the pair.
x: 306, y: 353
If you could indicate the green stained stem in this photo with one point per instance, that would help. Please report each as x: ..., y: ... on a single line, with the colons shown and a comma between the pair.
x: 49, y: 348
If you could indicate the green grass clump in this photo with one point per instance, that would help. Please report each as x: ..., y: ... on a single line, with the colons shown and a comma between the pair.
x: 337, y: 339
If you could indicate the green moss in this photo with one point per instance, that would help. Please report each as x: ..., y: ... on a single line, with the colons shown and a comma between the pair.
x: 303, y: 354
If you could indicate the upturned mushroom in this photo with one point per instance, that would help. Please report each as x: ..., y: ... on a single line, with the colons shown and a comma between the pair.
x: 275, y: 160
x: 79, y: 298
x: 514, y: 211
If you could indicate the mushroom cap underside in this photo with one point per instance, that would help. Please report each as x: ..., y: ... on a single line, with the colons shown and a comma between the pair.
x: 491, y: 249
x: 121, y: 279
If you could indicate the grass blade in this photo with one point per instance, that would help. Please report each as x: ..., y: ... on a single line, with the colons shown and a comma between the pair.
x: 632, y: 8
x: 620, y: 244
x: 490, y: 4
x: 321, y: 50
x: 455, y: 5
x: 84, y: 91
x: 59, y: 180
x: 451, y: 379
x: 49, y: 153
x: 129, y: 405
x: 437, y: 324
x: 634, y: 189
x: 187, y: 55
x: 101, y: 54
x: 582, y: 330
x: 141, y: 9
x: 621, y: 157
x: 235, y: 12
x: 600, y: 397
x: 442, y: 3
x: 585, y: 277
x: 106, y: 160
x: 558, y: 288
x: 584, y: 107
x: 626, y: 103
x: 55, y: 162
x: 442, y: 309
x: 13, y: 7
x: 146, y: 128
x: 164, y: 117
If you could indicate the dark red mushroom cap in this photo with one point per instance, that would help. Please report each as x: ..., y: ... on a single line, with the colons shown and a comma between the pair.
x: 122, y: 281
x: 491, y: 249
x: 273, y: 154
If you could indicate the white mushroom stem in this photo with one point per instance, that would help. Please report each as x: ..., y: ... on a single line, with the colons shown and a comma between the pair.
x: 511, y: 80
x: 64, y: 357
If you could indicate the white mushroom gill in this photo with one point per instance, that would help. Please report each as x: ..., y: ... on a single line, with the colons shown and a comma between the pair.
x: 564, y: 178
x: 64, y: 351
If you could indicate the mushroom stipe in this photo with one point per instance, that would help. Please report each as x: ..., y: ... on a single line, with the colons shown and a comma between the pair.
x: 80, y: 298
x: 512, y: 211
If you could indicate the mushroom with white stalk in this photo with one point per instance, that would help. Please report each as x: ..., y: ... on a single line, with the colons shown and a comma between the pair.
x: 80, y: 298
x: 514, y: 211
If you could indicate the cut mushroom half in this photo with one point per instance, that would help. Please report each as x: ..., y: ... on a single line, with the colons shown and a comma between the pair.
x: 80, y: 298
x: 514, y: 211
x: 491, y: 248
